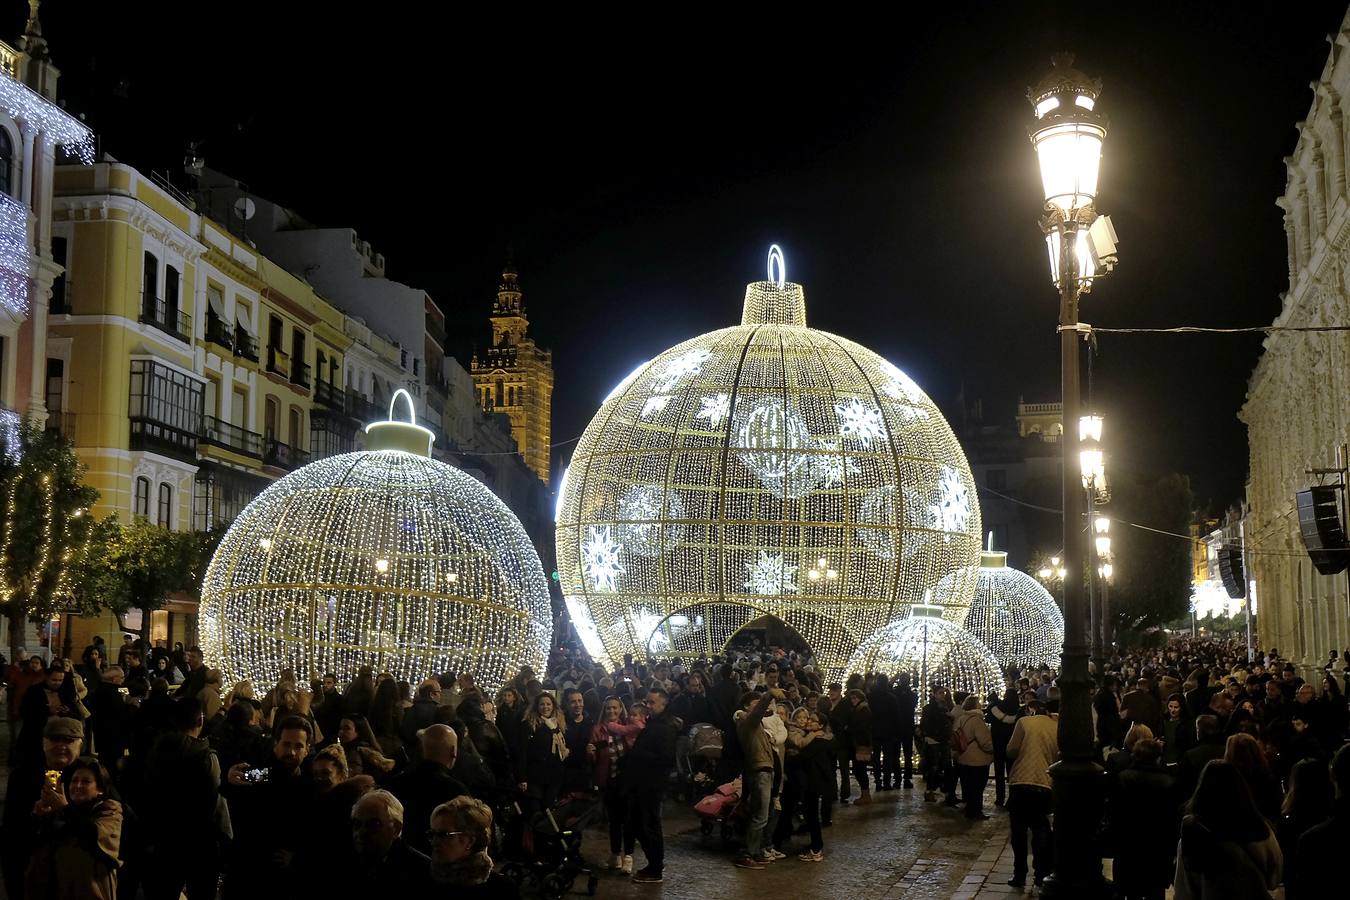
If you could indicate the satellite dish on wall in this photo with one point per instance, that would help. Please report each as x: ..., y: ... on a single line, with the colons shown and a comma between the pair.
x: 244, y: 208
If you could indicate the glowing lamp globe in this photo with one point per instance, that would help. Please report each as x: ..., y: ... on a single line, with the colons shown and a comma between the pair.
x: 764, y: 469
x: 1014, y: 616
x: 383, y: 558
x: 931, y: 650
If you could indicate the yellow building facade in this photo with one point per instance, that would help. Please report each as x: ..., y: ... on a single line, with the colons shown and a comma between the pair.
x: 188, y: 370
x: 516, y: 377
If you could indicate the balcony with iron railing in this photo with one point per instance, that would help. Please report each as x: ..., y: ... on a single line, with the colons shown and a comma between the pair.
x: 279, y: 362
x: 149, y: 433
x: 283, y: 456
x: 245, y: 344
x: 360, y: 407
x: 330, y: 395
x: 63, y: 423
x: 300, y: 374
x: 169, y: 319
x: 231, y: 437
x: 218, y: 331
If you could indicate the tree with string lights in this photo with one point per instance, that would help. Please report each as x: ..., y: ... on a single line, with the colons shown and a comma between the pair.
x: 44, y: 526
x: 137, y: 565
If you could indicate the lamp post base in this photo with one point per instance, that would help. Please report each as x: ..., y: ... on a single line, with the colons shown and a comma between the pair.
x: 1079, y: 796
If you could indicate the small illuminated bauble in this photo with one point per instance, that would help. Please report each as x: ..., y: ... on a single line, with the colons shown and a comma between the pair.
x: 931, y: 650
x: 715, y: 478
x: 1014, y: 616
x: 383, y: 558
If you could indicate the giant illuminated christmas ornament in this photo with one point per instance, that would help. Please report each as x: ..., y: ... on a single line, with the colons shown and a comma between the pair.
x: 931, y: 650
x: 1014, y: 616
x: 383, y: 557
x: 768, y: 468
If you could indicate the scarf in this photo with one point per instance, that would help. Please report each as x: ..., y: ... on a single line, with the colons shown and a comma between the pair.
x: 472, y: 870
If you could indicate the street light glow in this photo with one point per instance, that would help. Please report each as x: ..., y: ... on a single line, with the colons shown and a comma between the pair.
x: 1090, y: 428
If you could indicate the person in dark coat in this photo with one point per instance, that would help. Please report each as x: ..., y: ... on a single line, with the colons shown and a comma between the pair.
x: 1144, y: 824
x: 424, y: 712
x: 110, y: 719
x: 645, y: 768
x: 1106, y: 703
x: 61, y: 740
x: 179, y: 804
x: 1309, y: 803
x: 429, y: 783
x: 907, y: 704
x: 44, y: 700
x: 1321, y: 850
x: 1002, y: 718
x: 486, y: 739
x: 841, y: 713
x: 577, y: 727
x: 538, y: 760
x: 1209, y: 744
x: 724, y: 699
x: 885, y: 734
x: 385, y: 864
x: 861, y: 736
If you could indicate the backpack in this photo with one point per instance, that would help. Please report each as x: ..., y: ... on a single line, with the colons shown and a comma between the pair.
x: 959, y: 740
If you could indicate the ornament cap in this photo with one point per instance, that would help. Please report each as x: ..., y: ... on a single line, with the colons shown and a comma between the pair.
x: 392, y: 434
x: 993, y: 559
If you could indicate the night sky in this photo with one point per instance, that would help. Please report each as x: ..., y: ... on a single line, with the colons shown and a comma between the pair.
x: 640, y: 163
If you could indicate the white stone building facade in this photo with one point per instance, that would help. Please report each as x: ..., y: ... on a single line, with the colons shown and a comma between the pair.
x: 1298, y: 399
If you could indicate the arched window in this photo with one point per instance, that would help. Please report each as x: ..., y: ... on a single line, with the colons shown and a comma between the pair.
x: 501, y: 393
x: 165, y: 505
x: 6, y: 162
x: 141, y: 501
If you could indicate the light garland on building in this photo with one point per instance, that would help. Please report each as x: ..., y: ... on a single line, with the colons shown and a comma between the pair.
x: 931, y: 650
x: 15, y: 256
x: 25, y: 105
x: 383, y: 557
x: 1014, y: 616
x: 714, y: 478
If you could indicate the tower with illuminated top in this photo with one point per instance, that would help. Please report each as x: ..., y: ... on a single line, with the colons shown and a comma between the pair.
x: 516, y: 376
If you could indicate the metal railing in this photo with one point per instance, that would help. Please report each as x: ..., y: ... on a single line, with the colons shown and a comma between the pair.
x: 218, y: 332
x: 283, y: 456
x: 300, y: 374
x: 279, y: 361
x: 151, y: 434
x: 330, y: 395
x: 170, y: 320
x: 245, y: 344
x: 361, y: 408
x: 63, y: 423
x: 231, y: 437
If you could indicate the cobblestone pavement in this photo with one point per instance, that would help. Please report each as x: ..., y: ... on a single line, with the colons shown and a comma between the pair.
x: 898, y: 848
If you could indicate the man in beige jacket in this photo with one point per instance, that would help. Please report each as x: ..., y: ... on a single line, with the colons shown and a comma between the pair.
x: 1033, y: 748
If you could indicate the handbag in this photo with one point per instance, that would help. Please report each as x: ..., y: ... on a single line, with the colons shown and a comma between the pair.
x: 863, y: 754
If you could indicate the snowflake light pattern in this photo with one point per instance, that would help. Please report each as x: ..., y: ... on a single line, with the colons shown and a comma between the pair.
x: 951, y: 512
x: 655, y: 405
x: 860, y: 422
x: 715, y: 409
x: 770, y: 574
x: 602, y: 566
x: 643, y: 509
x: 686, y: 365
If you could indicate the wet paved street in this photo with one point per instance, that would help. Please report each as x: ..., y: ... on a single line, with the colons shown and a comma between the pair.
x: 898, y: 847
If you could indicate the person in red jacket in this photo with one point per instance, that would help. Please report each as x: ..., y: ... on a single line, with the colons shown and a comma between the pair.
x: 605, y: 752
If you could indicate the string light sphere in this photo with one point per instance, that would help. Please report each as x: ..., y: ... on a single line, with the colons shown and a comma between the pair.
x: 715, y: 478
x: 1014, y: 616
x: 931, y: 650
x: 383, y: 557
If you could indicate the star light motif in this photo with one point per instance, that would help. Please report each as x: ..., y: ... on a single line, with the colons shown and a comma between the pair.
x: 600, y: 559
x: 715, y: 409
x: 951, y: 512
x: 770, y: 575
x: 686, y: 365
x: 860, y: 422
x: 654, y: 405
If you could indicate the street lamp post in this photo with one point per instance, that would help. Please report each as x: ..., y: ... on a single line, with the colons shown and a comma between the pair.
x: 1101, y: 527
x: 1093, y: 467
x: 1068, y: 135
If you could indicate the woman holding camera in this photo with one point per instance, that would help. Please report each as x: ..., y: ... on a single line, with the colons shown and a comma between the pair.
x: 79, y: 836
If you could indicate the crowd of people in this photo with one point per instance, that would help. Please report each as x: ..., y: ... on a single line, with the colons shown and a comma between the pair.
x: 1223, y: 777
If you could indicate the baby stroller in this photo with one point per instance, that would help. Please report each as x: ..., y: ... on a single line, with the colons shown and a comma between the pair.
x: 553, y: 848
x: 705, y: 755
x: 722, y: 809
